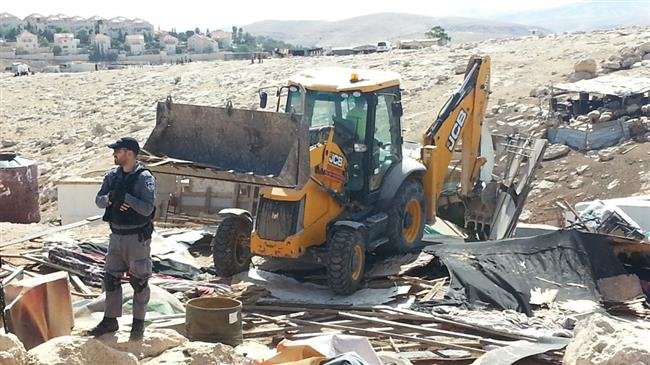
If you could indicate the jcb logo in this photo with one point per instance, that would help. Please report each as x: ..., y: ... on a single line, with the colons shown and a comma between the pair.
x: 335, y: 160
x: 455, y: 130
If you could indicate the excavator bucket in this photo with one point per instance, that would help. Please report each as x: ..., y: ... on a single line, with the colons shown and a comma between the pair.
x: 247, y: 146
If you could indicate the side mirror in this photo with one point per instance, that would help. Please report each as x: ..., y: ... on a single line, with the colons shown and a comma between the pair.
x: 396, y: 108
x: 263, y: 99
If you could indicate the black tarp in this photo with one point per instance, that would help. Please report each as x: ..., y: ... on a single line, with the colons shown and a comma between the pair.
x: 502, y: 273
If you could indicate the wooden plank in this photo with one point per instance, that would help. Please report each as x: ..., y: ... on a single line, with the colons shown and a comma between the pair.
x: 13, y: 275
x: 423, y: 329
x: 76, y: 281
x: 50, y: 231
x: 421, y: 340
x: 52, y: 265
x: 473, y: 327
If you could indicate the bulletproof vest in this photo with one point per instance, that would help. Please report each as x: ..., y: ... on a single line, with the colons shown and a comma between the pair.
x: 129, y: 217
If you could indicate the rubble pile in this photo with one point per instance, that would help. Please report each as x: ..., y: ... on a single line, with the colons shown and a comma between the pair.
x: 627, y: 57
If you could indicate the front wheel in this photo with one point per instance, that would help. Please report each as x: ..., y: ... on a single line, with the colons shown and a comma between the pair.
x: 406, y: 217
x: 231, y: 247
x: 346, y: 260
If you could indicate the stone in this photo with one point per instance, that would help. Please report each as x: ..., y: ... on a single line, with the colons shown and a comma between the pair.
x: 556, y: 150
x: 646, y: 57
x: 629, y: 60
x: 199, y: 353
x: 155, y: 342
x: 620, y: 288
x: 605, y: 117
x: 593, y: 116
x: 632, y: 108
x: 6, y: 143
x: 77, y: 350
x: 581, y: 169
x: 539, y: 91
x: 552, y: 178
x: 644, y: 47
x: 545, y: 185
x: 611, y: 65
x: 604, y: 155
x: 588, y: 65
x: 460, y: 69
x: 99, y: 130
x: 89, y: 144
x: 575, y: 184
x: 612, y: 184
x: 581, y: 75
x: 12, y: 351
x: 603, y: 340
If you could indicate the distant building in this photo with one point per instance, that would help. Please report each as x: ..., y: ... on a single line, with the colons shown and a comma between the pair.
x: 36, y: 20
x: 222, y: 37
x: 121, y: 25
x: 102, y: 42
x: 67, y: 42
x: 27, y: 42
x: 8, y: 22
x: 202, y: 44
x: 169, y: 42
x: 135, y: 43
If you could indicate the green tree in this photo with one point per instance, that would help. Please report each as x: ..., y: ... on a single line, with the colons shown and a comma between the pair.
x: 240, y: 35
x: 197, y: 30
x: 438, y: 32
x: 207, y: 31
x: 42, y: 41
x: 12, y: 33
x: 83, y: 37
x: 96, y: 55
x: 234, y: 35
x: 57, y: 50
x: 47, y: 35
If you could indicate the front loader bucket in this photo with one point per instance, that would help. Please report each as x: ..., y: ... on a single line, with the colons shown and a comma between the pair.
x: 248, y: 146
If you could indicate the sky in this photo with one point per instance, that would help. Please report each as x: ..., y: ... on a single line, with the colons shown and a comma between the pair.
x: 184, y: 15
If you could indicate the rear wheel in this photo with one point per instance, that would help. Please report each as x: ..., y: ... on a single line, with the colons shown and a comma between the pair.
x: 231, y: 249
x: 406, y: 217
x: 346, y: 260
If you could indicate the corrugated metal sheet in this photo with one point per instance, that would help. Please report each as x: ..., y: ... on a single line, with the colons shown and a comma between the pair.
x: 598, y: 136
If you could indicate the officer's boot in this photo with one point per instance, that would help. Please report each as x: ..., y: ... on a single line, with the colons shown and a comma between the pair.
x: 107, y: 325
x: 137, y: 329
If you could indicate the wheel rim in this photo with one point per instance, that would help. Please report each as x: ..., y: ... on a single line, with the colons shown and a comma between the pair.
x: 357, y: 262
x: 241, y: 249
x: 411, y: 221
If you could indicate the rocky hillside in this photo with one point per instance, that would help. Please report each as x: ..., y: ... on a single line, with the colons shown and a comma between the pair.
x: 64, y: 121
x: 370, y: 29
x: 585, y: 15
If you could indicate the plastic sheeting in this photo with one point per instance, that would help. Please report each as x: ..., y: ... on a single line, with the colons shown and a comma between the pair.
x: 503, y: 273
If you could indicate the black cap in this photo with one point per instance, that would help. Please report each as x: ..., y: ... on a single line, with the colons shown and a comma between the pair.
x: 127, y: 143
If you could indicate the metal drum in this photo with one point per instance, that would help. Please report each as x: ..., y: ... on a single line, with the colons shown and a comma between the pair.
x: 18, y: 189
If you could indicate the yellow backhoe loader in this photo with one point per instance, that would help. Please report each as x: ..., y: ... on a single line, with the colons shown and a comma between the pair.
x: 339, y: 181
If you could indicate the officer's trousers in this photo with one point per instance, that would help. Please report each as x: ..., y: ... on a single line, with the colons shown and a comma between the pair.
x: 127, y: 254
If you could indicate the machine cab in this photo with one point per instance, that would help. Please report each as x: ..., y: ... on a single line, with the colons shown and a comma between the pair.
x: 363, y: 109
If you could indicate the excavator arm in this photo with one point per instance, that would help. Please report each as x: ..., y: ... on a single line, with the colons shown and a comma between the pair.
x: 460, y: 119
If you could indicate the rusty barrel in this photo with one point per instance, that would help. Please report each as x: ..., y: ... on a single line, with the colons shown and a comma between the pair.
x: 18, y: 189
x: 214, y: 319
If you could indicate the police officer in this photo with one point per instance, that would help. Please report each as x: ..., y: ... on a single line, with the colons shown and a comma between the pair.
x: 127, y: 195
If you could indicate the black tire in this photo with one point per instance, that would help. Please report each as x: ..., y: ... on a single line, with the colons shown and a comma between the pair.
x: 231, y: 250
x: 399, y: 221
x: 346, y: 260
